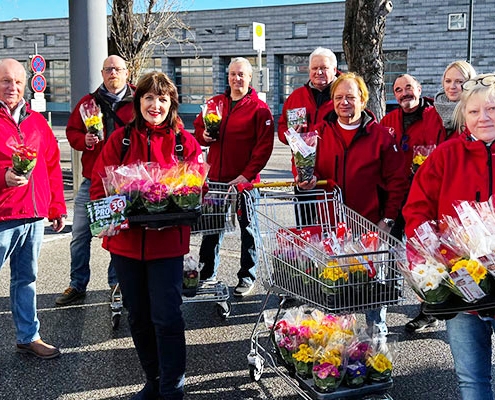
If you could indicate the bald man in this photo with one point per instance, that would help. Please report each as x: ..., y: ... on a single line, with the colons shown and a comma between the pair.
x: 26, y: 199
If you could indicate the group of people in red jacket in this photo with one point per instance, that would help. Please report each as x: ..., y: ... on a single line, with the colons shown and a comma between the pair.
x: 369, y: 160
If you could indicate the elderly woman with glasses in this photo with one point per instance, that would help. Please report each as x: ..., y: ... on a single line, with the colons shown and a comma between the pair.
x: 462, y: 169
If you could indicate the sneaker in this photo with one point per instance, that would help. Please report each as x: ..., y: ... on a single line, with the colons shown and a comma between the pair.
x: 420, y: 323
x: 243, y: 289
x: 70, y: 295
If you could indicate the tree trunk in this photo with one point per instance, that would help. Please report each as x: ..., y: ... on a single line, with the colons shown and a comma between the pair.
x: 362, y: 40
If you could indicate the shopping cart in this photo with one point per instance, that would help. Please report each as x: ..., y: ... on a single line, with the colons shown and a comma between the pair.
x: 275, y: 220
x: 218, y: 214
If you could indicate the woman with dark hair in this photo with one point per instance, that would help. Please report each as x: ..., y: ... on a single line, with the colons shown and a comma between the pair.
x: 149, y: 262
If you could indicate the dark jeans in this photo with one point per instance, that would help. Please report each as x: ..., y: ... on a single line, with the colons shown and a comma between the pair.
x: 152, y: 294
x: 210, y: 248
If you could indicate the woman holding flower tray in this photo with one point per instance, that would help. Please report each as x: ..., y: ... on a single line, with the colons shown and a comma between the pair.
x: 462, y: 168
x: 149, y: 272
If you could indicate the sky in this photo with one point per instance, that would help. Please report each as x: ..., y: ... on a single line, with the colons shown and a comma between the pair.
x: 41, y: 9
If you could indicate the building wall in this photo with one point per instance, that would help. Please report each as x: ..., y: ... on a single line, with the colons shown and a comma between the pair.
x: 418, y: 27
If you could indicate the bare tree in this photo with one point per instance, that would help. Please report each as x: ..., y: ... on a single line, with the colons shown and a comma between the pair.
x: 138, y: 27
x: 362, y: 40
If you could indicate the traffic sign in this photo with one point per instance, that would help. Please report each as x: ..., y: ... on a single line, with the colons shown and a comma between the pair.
x: 38, y: 83
x: 39, y: 102
x: 38, y: 64
x: 258, y: 36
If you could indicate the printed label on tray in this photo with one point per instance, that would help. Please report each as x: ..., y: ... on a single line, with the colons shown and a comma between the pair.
x: 466, y: 285
x: 105, y: 212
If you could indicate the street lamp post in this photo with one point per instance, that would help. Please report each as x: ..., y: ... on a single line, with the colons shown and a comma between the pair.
x: 470, y: 32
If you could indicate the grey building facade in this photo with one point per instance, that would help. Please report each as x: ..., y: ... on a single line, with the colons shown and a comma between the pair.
x: 421, y: 39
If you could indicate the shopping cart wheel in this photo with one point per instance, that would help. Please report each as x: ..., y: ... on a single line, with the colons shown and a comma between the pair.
x: 223, y: 309
x: 256, y: 364
x: 115, y: 321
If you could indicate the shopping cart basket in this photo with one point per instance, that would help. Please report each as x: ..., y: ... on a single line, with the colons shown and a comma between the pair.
x: 218, y: 214
x: 291, y: 263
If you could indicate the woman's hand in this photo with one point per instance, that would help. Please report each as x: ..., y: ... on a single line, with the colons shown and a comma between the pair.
x: 14, y: 180
x: 207, y: 137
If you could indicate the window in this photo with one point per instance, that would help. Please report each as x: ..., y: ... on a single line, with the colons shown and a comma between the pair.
x: 194, y: 81
x: 243, y: 32
x: 49, y: 40
x: 57, y: 74
x: 457, y: 22
x: 8, y: 42
x: 395, y: 64
x: 189, y: 34
x: 299, y: 30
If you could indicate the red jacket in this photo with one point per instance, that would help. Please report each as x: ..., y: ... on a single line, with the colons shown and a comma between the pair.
x: 427, y: 131
x: 246, y: 138
x: 76, y: 130
x: 303, y: 97
x: 43, y: 196
x: 369, y: 171
x: 459, y: 169
x: 156, y: 145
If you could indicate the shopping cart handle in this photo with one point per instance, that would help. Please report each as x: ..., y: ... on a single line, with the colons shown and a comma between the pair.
x: 250, y: 186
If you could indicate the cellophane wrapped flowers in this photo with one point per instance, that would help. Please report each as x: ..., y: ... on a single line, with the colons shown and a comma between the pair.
x: 420, y: 154
x: 153, y: 189
x: 330, y: 350
x: 303, y: 146
x: 191, y: 275
x: 92, y: 117
x: 23, y: 159
x: 212, y: 117
x: 453, y: 256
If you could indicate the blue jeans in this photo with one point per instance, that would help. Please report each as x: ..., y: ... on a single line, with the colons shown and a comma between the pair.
x: 209, y: 252
x: 377, y: 317
x: 80, y: 245
x: 152, y: 294
x: 470, y: 340
x: 20, y: 240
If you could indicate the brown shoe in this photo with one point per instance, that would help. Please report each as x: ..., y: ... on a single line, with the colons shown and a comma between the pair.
x: 39, y: 349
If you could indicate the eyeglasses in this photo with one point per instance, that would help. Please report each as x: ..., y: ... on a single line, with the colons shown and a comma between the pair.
x: 109, y: 70
x: 487, y: 80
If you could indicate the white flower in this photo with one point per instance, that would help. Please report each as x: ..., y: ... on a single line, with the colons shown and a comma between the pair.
x: 429, y: 275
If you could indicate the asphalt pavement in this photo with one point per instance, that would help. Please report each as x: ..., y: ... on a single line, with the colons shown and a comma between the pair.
x: 99, y: 362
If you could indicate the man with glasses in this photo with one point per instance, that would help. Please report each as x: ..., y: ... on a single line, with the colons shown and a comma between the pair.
x: 306, y: 106
x: 415, y: 123
x: 114, y: 97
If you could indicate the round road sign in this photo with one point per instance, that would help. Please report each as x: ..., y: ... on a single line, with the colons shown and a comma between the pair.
x: 38, y: 83
x: 38, y: 64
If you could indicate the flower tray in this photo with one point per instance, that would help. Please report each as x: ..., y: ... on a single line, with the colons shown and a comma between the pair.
x: 158, y: 221
x: 344, y: 392
x: 454, y: 304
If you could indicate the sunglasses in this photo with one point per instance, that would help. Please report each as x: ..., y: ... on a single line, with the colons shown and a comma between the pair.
x: 487, y: 80
x: 404, y: 142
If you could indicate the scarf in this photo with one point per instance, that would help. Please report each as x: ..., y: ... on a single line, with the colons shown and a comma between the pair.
x: 445, y: 108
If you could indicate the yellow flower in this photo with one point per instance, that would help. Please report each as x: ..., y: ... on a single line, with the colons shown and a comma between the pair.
x: 419, y: 159
x: 93, y: 120
x: 333, y: 273
x: 332, y: 356
x: 473, y: 267
x: 379, y: 362
x: 212, y: 118
x: 305, y: 354
x: 357, y: 268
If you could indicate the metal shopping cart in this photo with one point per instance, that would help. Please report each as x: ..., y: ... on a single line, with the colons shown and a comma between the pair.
x: 218, y: 214
x: 277, y: 226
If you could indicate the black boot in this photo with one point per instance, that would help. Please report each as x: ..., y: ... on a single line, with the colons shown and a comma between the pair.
x: 150, y: 391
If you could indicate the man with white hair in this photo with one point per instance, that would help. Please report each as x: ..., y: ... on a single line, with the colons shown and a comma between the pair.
x: 26, y: 198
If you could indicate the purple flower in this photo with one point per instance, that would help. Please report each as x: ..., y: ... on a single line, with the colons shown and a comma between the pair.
x: 355, y: 370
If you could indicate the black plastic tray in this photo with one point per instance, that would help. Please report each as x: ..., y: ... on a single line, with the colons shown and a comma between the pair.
x: 344, y: 392
x: 157, y: 221
x: 454, y: 304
